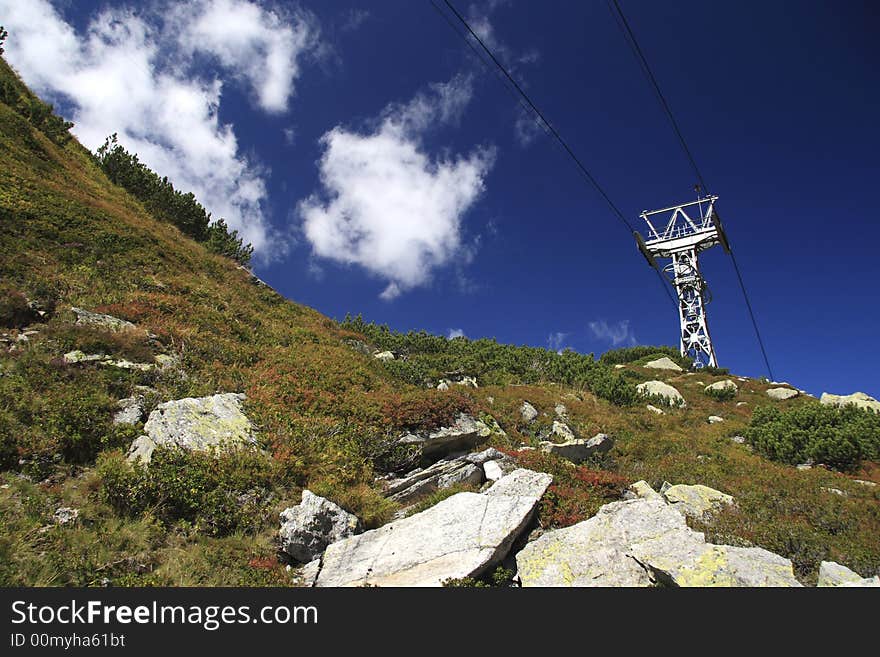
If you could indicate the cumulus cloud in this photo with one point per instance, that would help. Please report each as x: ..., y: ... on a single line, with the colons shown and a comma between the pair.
x: 253, y: 43
x: 617, y: 333
x: 556, y: 341
x: 389, y: 206
x: 456, y: 333
x: 135, y: 73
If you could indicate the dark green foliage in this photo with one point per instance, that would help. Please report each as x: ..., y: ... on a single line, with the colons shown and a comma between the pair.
x: 715, y: 371
x: 425, y: 359
x: 217, y: 494
x: 3, y: 35
x: 500, y: 577
x: 39, y: 114
x: 838, y: 437
x: 646, y: 353
x: 14, y: 310
x: 168, y: 204
x: 227, y: 243
x: 721, y: 394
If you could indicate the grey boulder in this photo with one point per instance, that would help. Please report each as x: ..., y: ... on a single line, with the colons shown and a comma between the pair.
x: 308, y: 528
x: 462, y: 536
x: 213, y: 423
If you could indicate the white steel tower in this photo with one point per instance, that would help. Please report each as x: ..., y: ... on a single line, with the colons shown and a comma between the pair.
x: 681, y: 233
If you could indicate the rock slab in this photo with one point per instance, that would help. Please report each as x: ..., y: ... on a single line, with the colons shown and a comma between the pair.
x: 462, y: 536
x: 308, y: 528
x: 666, y: 392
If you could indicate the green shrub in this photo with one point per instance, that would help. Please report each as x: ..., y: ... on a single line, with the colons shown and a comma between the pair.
x: 168, y: 204
x: 426, y: 358
x: 14, y: 310
x: 217, y: 494
x: 838, y: 437
x: 644, y: 352
x: 721, y: 394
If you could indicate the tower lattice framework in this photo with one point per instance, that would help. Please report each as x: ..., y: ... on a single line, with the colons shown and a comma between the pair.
x: 680, y: 233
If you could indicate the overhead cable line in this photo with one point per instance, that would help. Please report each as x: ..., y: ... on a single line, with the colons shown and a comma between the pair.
x: 630, y: 37
x: 545, y: 123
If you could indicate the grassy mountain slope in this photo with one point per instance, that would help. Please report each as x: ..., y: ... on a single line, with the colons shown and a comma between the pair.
x: 326, y: 410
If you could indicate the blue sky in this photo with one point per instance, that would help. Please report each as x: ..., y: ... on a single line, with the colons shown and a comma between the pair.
x: 380, y: 169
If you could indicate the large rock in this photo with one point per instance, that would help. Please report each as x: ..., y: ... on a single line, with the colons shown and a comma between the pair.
x: 107, y: 322
x: 857, y: 399
x: 594, y: 552
x: 780, y: 394
x: 462, y: 536
x: 683, y: 558
x: 721, y: 386
x: 644, y: 542
x: 131, y: 410
x: 696, y: 501
x: 833, y: 574
x: 528, y: 412
x: 465, y: 434
x: 562, y: 431
x: 308, y: 528
x: 664, y: 391
x: 664, y: 363
x: 384, y: 356
x: 201, y: 424
x: 579, y: 449
x: 442, y: 474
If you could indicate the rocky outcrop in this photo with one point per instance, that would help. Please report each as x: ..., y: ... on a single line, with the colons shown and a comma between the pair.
x: 579, y: 449
x: 683, y: 558
x: 696, y: 501
x: 462, y: 536
x: 833, y: 574
x: 561, y: 431
x: 664, y: 363
x: 464, y: 434
x: 528, y: 412
x: 442, y: 474
x: 594, y: 552
x: 644, y: 542
x: 721, y: 386
x: 200, y: 424
x: 308, y: 528
x: 664, y: 391
x: 65, y: 515
x: 781, y: 394
x: 77, y: 356
x: 106, y: 322
x: 857, y: 399
x: 642, y: 489
x: 131, y: 410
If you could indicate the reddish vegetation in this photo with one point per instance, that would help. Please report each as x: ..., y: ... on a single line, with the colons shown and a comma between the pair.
x: 577, y: 492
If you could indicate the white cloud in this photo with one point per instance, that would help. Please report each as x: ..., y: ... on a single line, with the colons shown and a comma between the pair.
x: 456, y: 333
x: 253, y: 43
x: 556, y: 341
x: 134, y: 74
x: 617, y: 333
x: 389, y: 206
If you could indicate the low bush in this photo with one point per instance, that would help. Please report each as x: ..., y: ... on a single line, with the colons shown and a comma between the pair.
x: 576, y: 492
x: 721, y: 394
x: 216, y: 494
x: 14, y: 310
x: 838, y: 437
x: 644, y: 352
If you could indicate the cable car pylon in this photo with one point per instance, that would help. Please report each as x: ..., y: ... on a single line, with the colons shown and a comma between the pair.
x: 680, y: 233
